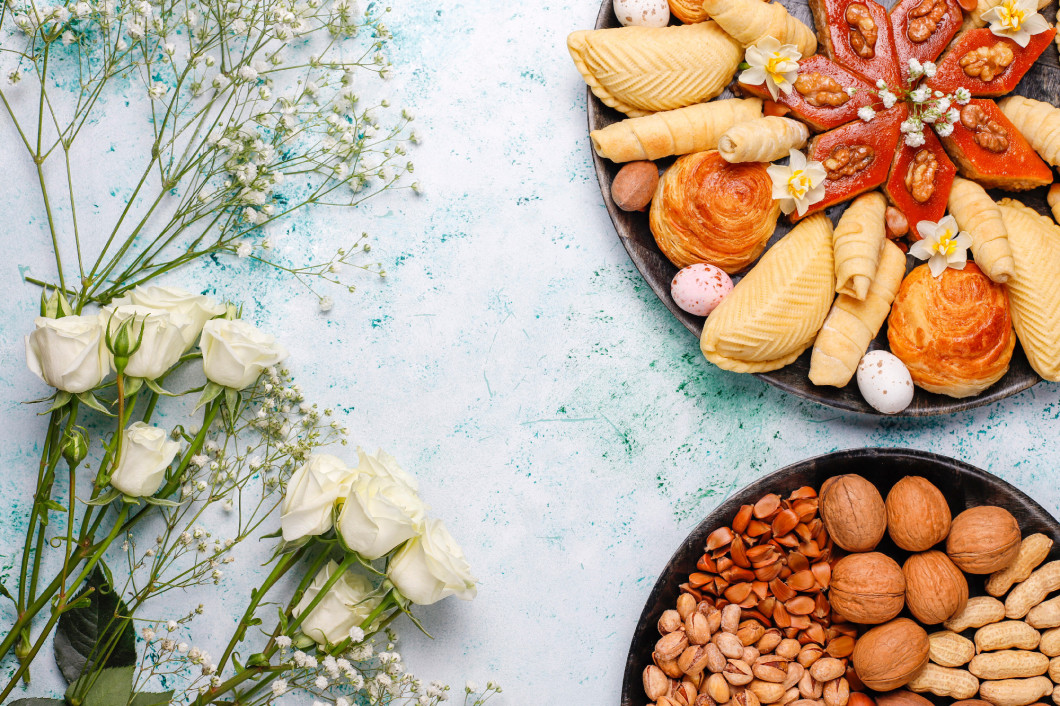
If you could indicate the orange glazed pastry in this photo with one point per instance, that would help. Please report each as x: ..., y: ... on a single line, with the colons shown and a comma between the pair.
x: 985, y: 64
x: 988, y: 148
x: 708, y: 210
x: 920, y: 181
x: 923, y: 28
x: 857, y: 34
x: 953, y: 332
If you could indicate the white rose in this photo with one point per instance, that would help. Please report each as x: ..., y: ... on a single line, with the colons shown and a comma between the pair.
x: 199, y: 308
x: 146, y: 453
x: 381, y: 512
x: 346, y: 605
x: 234, y: 353
x: 311, y: 495
x: 432, y: 567
x: 385, y: 465
x: 163, y: 337
x: 68, y: 353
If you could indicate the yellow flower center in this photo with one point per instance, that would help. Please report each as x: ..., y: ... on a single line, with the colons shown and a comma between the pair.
x: 773, y: 68
x: 1010, y: 17
x: 799, y: 184
x: 946, y: 245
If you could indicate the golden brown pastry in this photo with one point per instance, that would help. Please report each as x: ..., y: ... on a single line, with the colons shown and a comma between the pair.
x: 642, y: 70
x: 1034, y: 289
x: 688, y: 11
x: 707, y: 210
x: 976, y: 213
x: 851, y: 324
x: 1053, y: 200
x: 696, y: 128
x: 856, y: 243
x: 953, y: 332
x: 762, y: 139
x: 1039, y: 122
x: 749, y: 21
x: 774, y: 313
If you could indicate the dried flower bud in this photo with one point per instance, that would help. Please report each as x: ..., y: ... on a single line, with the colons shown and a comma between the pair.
x: 669, y: 621
x: 656, y: 683
x: 696, y: 628
x: 718, y: 688
x: 671, y: 645
x: 738, y: 673
x: 730, y: 618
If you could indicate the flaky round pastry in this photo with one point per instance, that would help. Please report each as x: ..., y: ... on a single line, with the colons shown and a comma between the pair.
x: 953, y: 332
x: 708, y: 210
x: 688, y: 11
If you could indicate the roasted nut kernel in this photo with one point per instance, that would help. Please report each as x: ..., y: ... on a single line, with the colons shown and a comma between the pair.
x: 750, y: 632
x: 669, y: 621
x: 846, y: 161
x: 767, y: 692
x: 985, y: 63
x: 682, y: 693
x: 730, y: 618
x: 925, y: 18
x: 745, y: 697
x: 770, y: 668
x: 718, y: 688
x: 794, y: 675
x: 788, y: 648
x: 671, y: 645
x: 920, y: 181
x: 696, y: 628
x: 737, y: 672
x: 836, y: 692
x: 729, y: 644
x: 686, y: 605
x: 669, y: 666
x: 810, y: 654
x: 992, y: 136
x: 826, y: 669
x: 656, y: 683
x: 809, y: 687
x: 863, y: 33
x: 634, y: 185
x: 769, y: 640
x: 693, y: 660
x: 715, y: 659
x: 750, y: 654
x: 897, y: 223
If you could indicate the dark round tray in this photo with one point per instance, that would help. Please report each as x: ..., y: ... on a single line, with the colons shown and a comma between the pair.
x: 963, y: 485
x: 1042, y: 82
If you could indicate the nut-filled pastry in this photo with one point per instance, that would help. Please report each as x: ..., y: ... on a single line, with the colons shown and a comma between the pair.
x: 695, y: 128
x: 774, y: 313
x: 642, y: 70
x: 1034, y: 289
x: 953, y: 332
x: 707, y: 210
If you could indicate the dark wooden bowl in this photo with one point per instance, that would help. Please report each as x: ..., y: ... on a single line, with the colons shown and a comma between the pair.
x: 963, y: 485
x: 1042, y: 82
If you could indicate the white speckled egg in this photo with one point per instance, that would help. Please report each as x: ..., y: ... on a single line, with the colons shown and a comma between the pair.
x: 885, y: 382
x: 642, y: 13
x: 699, y: 288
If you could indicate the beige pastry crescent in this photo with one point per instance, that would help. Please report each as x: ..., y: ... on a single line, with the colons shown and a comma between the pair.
x: 748, y: 21
x: 1053, y: 199
x: 978, y: 215
x: 642, y: 70
x: 856, y: 244
x: 774, y: 313
x: 696, y: 128
x: 1039, y: 122
x: 1034, y: 290
x: 851, y: 324
x: 973, y: 19
x: 688, y: 11
x: 762, y: 139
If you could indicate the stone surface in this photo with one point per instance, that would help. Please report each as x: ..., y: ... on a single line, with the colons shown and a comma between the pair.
x: 557, y: 416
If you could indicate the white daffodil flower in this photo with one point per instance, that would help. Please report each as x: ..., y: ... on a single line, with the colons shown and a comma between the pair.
x: 772, y: 63
x: 1017, y: 20
x: 942, y: 245
x: 799, y: 184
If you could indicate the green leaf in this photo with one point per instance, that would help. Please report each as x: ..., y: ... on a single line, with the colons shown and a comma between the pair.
x: 158, y: 389
x: 38, y: 702
x: 104, y: 499
x: 159, y: 501
x: 5, y: 593
x: 132, y: 386
x: 53, y: 505
x: 90, y: 400
x: 61, y: 398
x: 111, y: 687
x: 209, y: 393
x: 232, y: 400
x: 152, y: 699
x: 82, y: 628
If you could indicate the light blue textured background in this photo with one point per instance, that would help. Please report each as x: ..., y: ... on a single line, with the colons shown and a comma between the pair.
x: 559, y: 419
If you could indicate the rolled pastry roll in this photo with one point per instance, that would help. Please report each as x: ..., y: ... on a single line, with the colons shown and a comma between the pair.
x: 976, y: 213
x: 642, y: 70
x: 861, y: 230
x: 774, y: 313
x: 1039, y: 122
x: 762, y: 139
x: 1034, y: 290
x: 748, y: 21
x: 688, y: 11
x: 851, y: 324
x: 1054, y: 201
x: 673, y: 132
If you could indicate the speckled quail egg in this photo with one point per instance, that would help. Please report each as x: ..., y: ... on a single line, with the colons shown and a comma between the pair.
x: 642, y: 13
x: 885, y: 382
x: 699, y: 288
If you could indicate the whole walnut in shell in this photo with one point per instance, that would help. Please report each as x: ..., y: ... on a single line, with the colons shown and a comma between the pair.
x: 983, y: 539
x: 902, y: 698
x: 918, y: 516
x: 867, y: 588
x: 935, y: 589
x: 853, y: 512
x: 889, y: 655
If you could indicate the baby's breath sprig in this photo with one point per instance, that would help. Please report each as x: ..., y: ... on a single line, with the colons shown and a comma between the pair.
x: 257, y: 110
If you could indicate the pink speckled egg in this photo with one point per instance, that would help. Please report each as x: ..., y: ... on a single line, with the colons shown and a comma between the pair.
x: 699, y: 288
